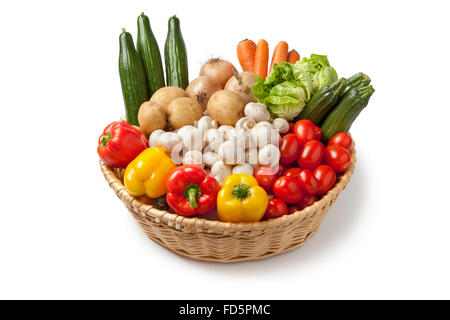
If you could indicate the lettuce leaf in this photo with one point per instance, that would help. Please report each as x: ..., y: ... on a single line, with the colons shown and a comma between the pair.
x: 284, y: 92
x: 313, y: 64
x: 324, y: 77
x: 260, y: 90
x: 318, y: 68
x: 284, y: 107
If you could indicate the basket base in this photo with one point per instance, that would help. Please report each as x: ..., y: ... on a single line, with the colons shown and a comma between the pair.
x: 148, y: 230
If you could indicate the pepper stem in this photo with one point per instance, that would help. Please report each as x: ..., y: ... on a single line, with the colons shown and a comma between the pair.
x: 192, y: 192
x: 105, y: 139
x: 192, y: 197
x: 241, y: 191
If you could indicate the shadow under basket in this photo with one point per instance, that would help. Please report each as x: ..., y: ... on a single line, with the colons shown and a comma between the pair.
x: 210, y: 240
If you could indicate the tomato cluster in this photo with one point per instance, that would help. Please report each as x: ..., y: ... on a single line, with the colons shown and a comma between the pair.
x: 307, y: 169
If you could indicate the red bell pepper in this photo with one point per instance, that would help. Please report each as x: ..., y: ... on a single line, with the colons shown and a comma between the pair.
x: 191, y: 191
x: 120, y: 143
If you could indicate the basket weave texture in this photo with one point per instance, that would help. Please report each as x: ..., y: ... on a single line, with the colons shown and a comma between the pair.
x: 204, y: 239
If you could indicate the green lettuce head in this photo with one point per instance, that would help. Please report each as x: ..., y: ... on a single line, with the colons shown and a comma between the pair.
x: 324, y: 77
x: 286, y: 100
x: 284, y: 92
x: 318, y: 68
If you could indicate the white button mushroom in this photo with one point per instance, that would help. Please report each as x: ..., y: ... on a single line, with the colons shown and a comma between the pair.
x: 245, y: 123
x: 183, y: 130
x: 264, y: 135
x: 243, y: 168
x: 153, y: 140
x: 269, y: 155
x: 168, y: 140
x: 177, y: 153
x: 194, y: 157
x: 251, y: 157
x: 209, y: 158
x: 219, y: 179
x: 281, y: 125
x: 240, y: 137
x: 193, y: 139
x: 231, y: 153
x: 214, y: 138
x: 224, y: 129
x: 257, y: 111
x: 220, y: 171
x: 206, y: 122
x: 265, y: 124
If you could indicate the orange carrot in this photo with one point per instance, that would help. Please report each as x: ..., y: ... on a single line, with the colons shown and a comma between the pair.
x: 261, y: 58
x: 246, y: 54
x: 280, y: 54
x: 293, y: 56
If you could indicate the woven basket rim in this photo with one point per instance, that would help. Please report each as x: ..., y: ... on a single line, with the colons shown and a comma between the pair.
x: 217, y: 226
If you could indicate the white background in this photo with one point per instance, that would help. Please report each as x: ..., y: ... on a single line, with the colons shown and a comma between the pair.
x: 65, y: 234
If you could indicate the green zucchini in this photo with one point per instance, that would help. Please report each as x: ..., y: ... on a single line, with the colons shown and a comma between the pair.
x: 175, y: 56
x: 348, y: 108
x: 132, y: 78
x: 148, y: 50
x: 358, y: 80
x: 322, y: 102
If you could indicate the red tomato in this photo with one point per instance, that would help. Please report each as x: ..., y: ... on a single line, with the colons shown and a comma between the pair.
x: 308, y: 182
x: 265, y: 176
x: 311, y: 155
x: 289, y: 148
x: 276, y: 208
x: 292, y: 209
x: 338, y: 158
x: 292, y: 172
x: 343, y: 140
x: 281, y: 169
x: 307, y: 200
x: 326, y: 177
x: 318, y: 133
x: 305, y: 131
x: 288, y: 189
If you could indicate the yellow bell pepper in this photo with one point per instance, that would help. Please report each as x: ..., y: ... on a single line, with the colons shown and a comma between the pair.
x: 241, y: 199
x: 148, y: 172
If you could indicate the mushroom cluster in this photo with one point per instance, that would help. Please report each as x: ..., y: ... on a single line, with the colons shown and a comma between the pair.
x: 225, y: 150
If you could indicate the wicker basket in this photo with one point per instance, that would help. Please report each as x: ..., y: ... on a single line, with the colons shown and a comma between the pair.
x: 204, y: 239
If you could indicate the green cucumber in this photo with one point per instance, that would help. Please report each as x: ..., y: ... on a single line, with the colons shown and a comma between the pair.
x: 322, y: 102
x: 132, y: 78
x: 148, y: 50
x: 175, y: 56
x: 348, y: 108
x: 358, y: 80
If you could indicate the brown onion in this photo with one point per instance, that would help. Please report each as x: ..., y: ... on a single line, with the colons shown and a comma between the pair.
x: 201, y: 89
x: 242, y: 84
x: 218, y: 70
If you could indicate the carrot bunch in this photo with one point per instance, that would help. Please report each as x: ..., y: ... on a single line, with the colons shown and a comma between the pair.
x: 255, y: 57
x: 261, y: 58
x: 246, y: 50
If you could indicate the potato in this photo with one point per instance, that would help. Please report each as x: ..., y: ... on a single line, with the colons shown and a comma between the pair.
x: 226, y: 107
x: 184, y: 111
x: 164, y: 96
x: 151, y: 117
